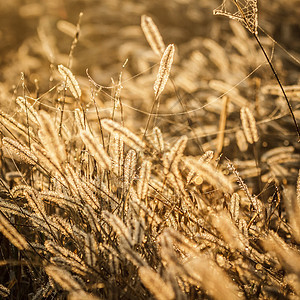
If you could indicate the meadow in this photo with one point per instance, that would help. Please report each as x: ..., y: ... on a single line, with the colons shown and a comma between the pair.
x: 149, y: 149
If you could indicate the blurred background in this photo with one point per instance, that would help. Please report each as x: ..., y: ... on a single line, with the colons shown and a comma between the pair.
x: 110, y: 31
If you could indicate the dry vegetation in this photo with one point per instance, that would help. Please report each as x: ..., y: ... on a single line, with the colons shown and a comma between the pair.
x: 147, y: 151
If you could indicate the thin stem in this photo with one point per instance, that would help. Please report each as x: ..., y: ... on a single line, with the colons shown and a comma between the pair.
x: 149, y: 118
x: 73, y: 46
x: 254, y: 32
x: 279, y: 82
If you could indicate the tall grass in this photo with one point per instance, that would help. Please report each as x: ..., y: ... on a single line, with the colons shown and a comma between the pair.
x: 98, y: 202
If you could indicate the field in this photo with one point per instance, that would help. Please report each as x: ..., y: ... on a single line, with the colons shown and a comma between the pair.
x: 149, y: 149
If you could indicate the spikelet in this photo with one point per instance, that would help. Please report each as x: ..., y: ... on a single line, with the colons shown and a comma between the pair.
x: 168, y: 254
x: 32, y: 114
x: 298, y: 190
x: 44, y: 226
x: 50, y: 139
x: 226, y: 88
x: 91, y: 250
x: 14, y: 125
x: 20, y: 151
x: 241, y: 140
x: 76, y: 263
x: 152, y: 35
x: 63, y: 226
x: 209, y: 173
x: 206, y: 158
x: 47, y: 48
x: 172, y: 159
x: 287, y: 256
x: 79, y: 120
x: 96, y: 150
x: 35, y: 201
x: 60, y: 199
x: 119, y: 227
x: 4, y: 292
x: 293, y: 210
x: 79, y: 187
x: 223, y: 223
x: 138, y: 230
x: 155, y: 284
x: 204, y: 272
x: 32, y: 197
x: 66, y: 27
x: 72, y: 181
x: 41, y: 291
x: 79, y: 295
x: 181, y: 242
x: 144, y: 177
x: 14, y: 209
x: 129, y: 168
x: 234, y: 206
x: 63, y: 278
x: 278, y: 151
x: 128, y: 137
x: 44, y: 160
x: 131, y: 255
x: 106, y: 193
x: 117, y: 153
x: 92, y: 218
x: 158, y: 140
x: 38, y: 223
x: 249, y: 125
x: 176, y: 181
x: 239, y: 179
x: 12, y: 234
x: 243, y: 227
x: 164, y: 70
x: 217, y: 55
x: 70, y: 81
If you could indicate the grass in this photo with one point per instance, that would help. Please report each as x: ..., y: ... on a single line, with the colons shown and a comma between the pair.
x: 136, y: 171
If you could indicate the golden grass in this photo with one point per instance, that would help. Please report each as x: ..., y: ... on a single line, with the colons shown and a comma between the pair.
x: 97, y: 202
